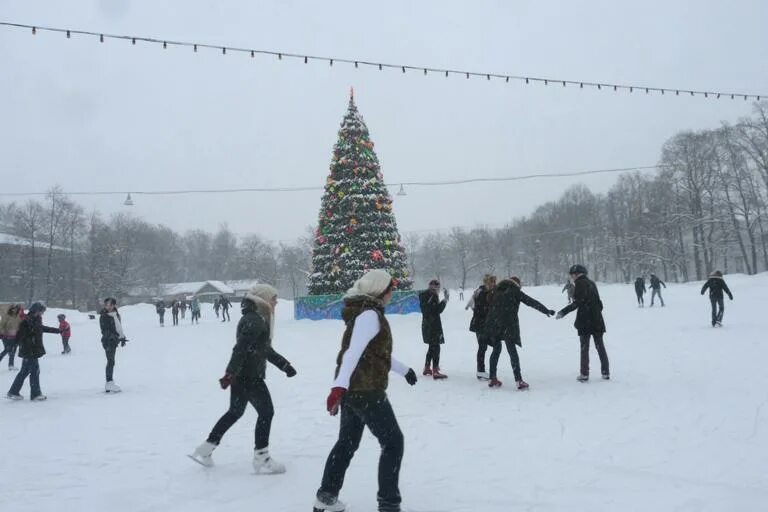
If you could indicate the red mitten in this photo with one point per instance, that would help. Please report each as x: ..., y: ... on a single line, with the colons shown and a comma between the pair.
x: 334, y: 400
x: 225, y: 381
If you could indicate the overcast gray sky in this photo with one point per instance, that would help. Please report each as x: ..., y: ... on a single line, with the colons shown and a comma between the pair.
x: 109, y: 116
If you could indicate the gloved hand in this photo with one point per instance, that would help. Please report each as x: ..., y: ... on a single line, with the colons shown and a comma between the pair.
x: 123, y: 341
x: 550, y: 313
x: 410, y: 377
x: 559, y: 315
x: 334, y: 400
x: 225, y: 381
x: 289, y: 370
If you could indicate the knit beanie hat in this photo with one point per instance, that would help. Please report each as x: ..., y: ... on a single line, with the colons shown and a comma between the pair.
x: 373, y: 284
x: 264, y: 292
x: 516, y: 280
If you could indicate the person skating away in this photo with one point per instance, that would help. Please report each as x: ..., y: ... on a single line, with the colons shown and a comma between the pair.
x: 480, y: 304
x: 9, y: 327
x: 175, y: 312
x: 245, y: 375
x: 716, y: 285
x: 216, y: 306
x: 112, y: 335
x: 183, y: 307
x: 656, y: 285
x: 503, y: 324
x: 66, y: 333
x: 31, y: 349
x: 362, y: 376
x: 432, y: 327
x: 160, y: 308
x: 225, y: 305
x: 194, y: 307
x: 569, y: 289
x: 640, y: 291
x: 589, y: 320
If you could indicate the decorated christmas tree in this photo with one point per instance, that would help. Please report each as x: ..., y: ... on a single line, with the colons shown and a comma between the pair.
x: 356, y: 231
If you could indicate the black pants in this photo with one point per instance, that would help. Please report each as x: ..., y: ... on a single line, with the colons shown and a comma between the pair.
x: 9, y: 347
x: 175, y: 318
x: 257, y: 393
x: 162, y: 317
x: 373, y: 410
x: 600, y: 346
x: 433, y: 356
x: 514, y: 358
x: 640, y: 300
x: 225, y: 315
x: 654, y: 293
x: 65, y: 343
x: 110, y: 353
x: 482, y: 347
x: 718, y: 308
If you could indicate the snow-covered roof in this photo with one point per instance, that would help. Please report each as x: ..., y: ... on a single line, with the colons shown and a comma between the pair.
x: 177, y: 289
x: 242, y: 284
x: 8, y: 239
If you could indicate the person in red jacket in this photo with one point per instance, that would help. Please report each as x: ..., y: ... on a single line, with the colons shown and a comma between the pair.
x: 66, y: 333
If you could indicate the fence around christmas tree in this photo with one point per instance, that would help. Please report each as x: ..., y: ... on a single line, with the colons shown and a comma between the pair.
x: 328, y: 307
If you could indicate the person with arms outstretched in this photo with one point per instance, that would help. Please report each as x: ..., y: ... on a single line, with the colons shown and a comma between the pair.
x: 656, y: 285
x: 716, y: 286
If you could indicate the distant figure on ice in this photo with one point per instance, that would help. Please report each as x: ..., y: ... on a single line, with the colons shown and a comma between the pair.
x: 245, y: 375
x: 183, y: 306
x: 225, y: 305
x: 9, y: 326
x: 717, y: 286
x: 194, y: 307
x: 503, y: 324
x: 175, y: 307
x: 461, y: 293
x: 66, y: 333
x: 362, y: 376
x: 31, y: 349
x: 480, y: 303
x: 589, y: 320
x: 216, y: 306
x: 160, y: 308
x: 640, y: 291
x: 432, y: 327
x: 656, y: 285
x: 112, y: 335
x: 569, y: 288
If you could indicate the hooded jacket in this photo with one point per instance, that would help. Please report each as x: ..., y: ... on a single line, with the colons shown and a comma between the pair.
x: 30, y: 337
x: 502, y: 322
x: 586, y: 299
x: 716, y: 285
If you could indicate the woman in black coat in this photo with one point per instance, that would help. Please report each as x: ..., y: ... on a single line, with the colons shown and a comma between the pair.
x: 503, y: 324
x: 432, y: 327
x: 111, y: 336
x: 480, y: 304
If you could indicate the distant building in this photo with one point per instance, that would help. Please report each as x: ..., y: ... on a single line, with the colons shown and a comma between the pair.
x: 206, y: 291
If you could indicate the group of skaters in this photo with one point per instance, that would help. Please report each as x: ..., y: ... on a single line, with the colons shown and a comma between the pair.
x: 179, y: 308
x: 655, y: 285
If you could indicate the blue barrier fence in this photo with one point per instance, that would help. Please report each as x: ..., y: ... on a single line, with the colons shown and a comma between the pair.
x: 328, y: 307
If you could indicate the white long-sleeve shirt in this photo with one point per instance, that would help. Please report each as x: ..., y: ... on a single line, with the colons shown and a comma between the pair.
x: 367, y: 326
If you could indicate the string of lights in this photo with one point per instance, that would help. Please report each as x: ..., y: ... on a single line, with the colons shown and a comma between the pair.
x: 315, y: 188
x: 403, y: 68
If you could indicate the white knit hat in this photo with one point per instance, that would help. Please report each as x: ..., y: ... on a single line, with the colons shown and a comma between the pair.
x: 264, y: 292
x: 372, y: 284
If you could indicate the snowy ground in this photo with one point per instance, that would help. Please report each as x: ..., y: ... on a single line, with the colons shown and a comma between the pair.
x: 682, y: 425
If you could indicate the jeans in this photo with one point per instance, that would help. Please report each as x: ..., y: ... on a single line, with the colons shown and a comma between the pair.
x: 110, y: 353
x: 29, y: 368
x: 654, y: 293
x: 640, y: 299
x: 600, y: 346
x: 514, y: 358
x: 225, y: 315
x: 162, y: 317
x: 482, y: 347
x: 433, y: 357
x: 9, y: 347
x: 359, y: 410
x: 718, y: 308
x: 175, y: 318
x: 257, y: 393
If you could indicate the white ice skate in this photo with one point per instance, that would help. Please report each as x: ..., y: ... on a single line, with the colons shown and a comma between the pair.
x: 39, y: 398
x: 12, y: 369
x: 329, y: 504
x: 203, y: 454
x: 266, y: 465
x: 483, y: 376
x: 10, y: 396
x: 582, y: 378
x: 111, y: 387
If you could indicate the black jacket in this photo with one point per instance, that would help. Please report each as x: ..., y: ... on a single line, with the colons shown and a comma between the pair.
x: 431, y: 325
x: 480, y: 311
x: 586, y: 298
x: 30, y: 337
x: 224, y: 303
x: 160, y: 307
x: 640, y: 286
x: 657, y: 283
x: 253, y: 347
x: 110, y: 338
x: 716, y: 287
x: 502, y: 322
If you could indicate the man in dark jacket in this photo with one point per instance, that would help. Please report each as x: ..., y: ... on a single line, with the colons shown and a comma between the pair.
x: 160, y: 308
x: 225, y: 305
x: 716, y: 285
x: 640, y: 291
x: 480, y: 304
x: 432, y: 327
x: 656, y: 285
x: 589, y: 320
x: 31, y: 349
x: 503, y: 324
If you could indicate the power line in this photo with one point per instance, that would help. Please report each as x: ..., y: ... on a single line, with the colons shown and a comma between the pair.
x: 225, y: 49
x: 316, y: 188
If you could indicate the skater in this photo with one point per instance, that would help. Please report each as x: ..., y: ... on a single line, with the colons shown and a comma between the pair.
x: 568, y: 288
x: 175, y: 312
x: 245, y: 376
x: 589, y: 320
x: 503, y: 324
x: 216, y: 306
x: 480, y: 303
x: 194, y: 307
x: 225, y: 305
x: 362, y: 374
x: 183, y: 306
x: 640, y: 291
x: 112, y: 335
x: 66, y: 333
x: 31, y: 349
x: 656, y: 285
x: 9, y: 326
x: 432, y: 327
x: 717, y: 286
x: 160, y: 308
